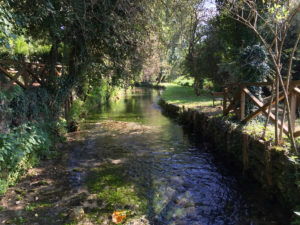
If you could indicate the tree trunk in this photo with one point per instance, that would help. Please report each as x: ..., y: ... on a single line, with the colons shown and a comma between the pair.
x: 276, y: 111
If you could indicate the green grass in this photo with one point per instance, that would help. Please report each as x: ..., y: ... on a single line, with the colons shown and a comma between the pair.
x: 183, y: 95
x: 255, y: 128
x: 115, y: 191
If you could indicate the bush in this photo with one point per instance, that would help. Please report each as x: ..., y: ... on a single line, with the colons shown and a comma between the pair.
x: 208, y: 84
x: 99, y: 95
x: 77, y: 111
x: 76, y: 115
x: 20, y: 149
x: 23, y: 143
x: 184, y: 81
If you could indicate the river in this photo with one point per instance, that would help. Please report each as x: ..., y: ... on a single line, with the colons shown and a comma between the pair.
x: 172, y: 171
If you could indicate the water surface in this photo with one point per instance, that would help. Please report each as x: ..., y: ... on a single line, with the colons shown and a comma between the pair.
x: 182, y: 182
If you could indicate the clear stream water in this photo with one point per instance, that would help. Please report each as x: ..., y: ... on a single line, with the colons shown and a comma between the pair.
x: 182, y: 181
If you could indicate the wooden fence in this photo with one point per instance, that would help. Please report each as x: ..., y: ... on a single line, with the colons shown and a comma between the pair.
x: 25, y: 74
x: 234, y: 99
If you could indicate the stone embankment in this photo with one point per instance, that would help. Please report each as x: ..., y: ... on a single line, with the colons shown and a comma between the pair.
x: 273, y: 169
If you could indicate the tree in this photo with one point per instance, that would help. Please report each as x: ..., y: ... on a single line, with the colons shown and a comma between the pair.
x: 81, y: 33
x: 271, y: 22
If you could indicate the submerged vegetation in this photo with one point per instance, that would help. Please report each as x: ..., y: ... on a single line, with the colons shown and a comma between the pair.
x: 115, y: 192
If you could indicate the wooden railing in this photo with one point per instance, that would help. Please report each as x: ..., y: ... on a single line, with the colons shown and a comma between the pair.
x: 25, y: 74
x: 234, y: 100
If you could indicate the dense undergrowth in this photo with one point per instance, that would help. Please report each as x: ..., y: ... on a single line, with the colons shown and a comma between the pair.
x: 27, y: 133
x: 189, y: 82
x: 31, y: 127
x: 21, y: 149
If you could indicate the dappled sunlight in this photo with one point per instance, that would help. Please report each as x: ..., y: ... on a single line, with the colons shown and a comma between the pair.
x: 181, y: 95
x: 153, y: 170
x: 146, y: 171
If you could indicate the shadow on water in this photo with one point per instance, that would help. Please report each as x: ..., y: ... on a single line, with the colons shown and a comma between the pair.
x: 171, y: 176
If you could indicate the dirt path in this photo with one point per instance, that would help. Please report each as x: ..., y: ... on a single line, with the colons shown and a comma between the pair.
x: 38, y: 197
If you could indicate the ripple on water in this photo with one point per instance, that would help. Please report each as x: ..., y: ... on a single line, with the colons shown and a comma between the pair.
x: 182, y: 182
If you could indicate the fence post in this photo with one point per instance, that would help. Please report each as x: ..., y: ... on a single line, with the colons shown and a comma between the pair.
x: 243, y: 105
x: 225, y: 100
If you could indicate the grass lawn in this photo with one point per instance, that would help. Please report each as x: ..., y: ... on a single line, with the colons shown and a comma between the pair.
x: 182, y: 95
x: 185, y: 96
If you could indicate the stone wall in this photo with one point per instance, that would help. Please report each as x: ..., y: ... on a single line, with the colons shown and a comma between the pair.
x: 271, y: 168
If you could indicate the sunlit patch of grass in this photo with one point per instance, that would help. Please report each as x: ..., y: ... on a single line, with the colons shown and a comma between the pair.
x: 183, y: 95
x: 255, y: 128
x: 115, y: 191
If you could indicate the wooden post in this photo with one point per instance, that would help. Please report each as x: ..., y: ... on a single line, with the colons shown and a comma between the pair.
x: 293, y: 109
x: 243, y: 105
x: 225, y: 100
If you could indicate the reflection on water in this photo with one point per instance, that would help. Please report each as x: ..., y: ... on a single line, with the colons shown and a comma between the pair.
x: 181, y: 180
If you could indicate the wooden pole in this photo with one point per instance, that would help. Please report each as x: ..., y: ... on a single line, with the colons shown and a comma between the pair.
x: 12, y: 77
x: 269, y: 112
x: 243, y: 98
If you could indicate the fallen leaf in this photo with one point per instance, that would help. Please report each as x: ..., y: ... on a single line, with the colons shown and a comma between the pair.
x: 118, y: 216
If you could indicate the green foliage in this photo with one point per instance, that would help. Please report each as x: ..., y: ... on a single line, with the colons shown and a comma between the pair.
x: 216, y: 53
x: 32, y: 104
x: 100, y: 94
x: 208, y: 84
x: 21, y: 149
x: 39, y: 51
x: 250, y: 65
x: 184, y: 81
x: 19, y: 46
x: 77, y: 111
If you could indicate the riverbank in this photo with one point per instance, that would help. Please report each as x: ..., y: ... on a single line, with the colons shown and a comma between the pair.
x: 272, y: 167
x: 81, y: 186
x: 132, y: 162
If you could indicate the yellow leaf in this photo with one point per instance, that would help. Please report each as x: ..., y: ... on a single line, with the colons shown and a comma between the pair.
x: 118, y: 216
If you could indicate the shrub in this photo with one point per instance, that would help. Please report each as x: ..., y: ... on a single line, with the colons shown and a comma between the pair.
x: 77, y: 111
x: 208, y: 84
x: 20, y: 149
x: 184, y: 81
